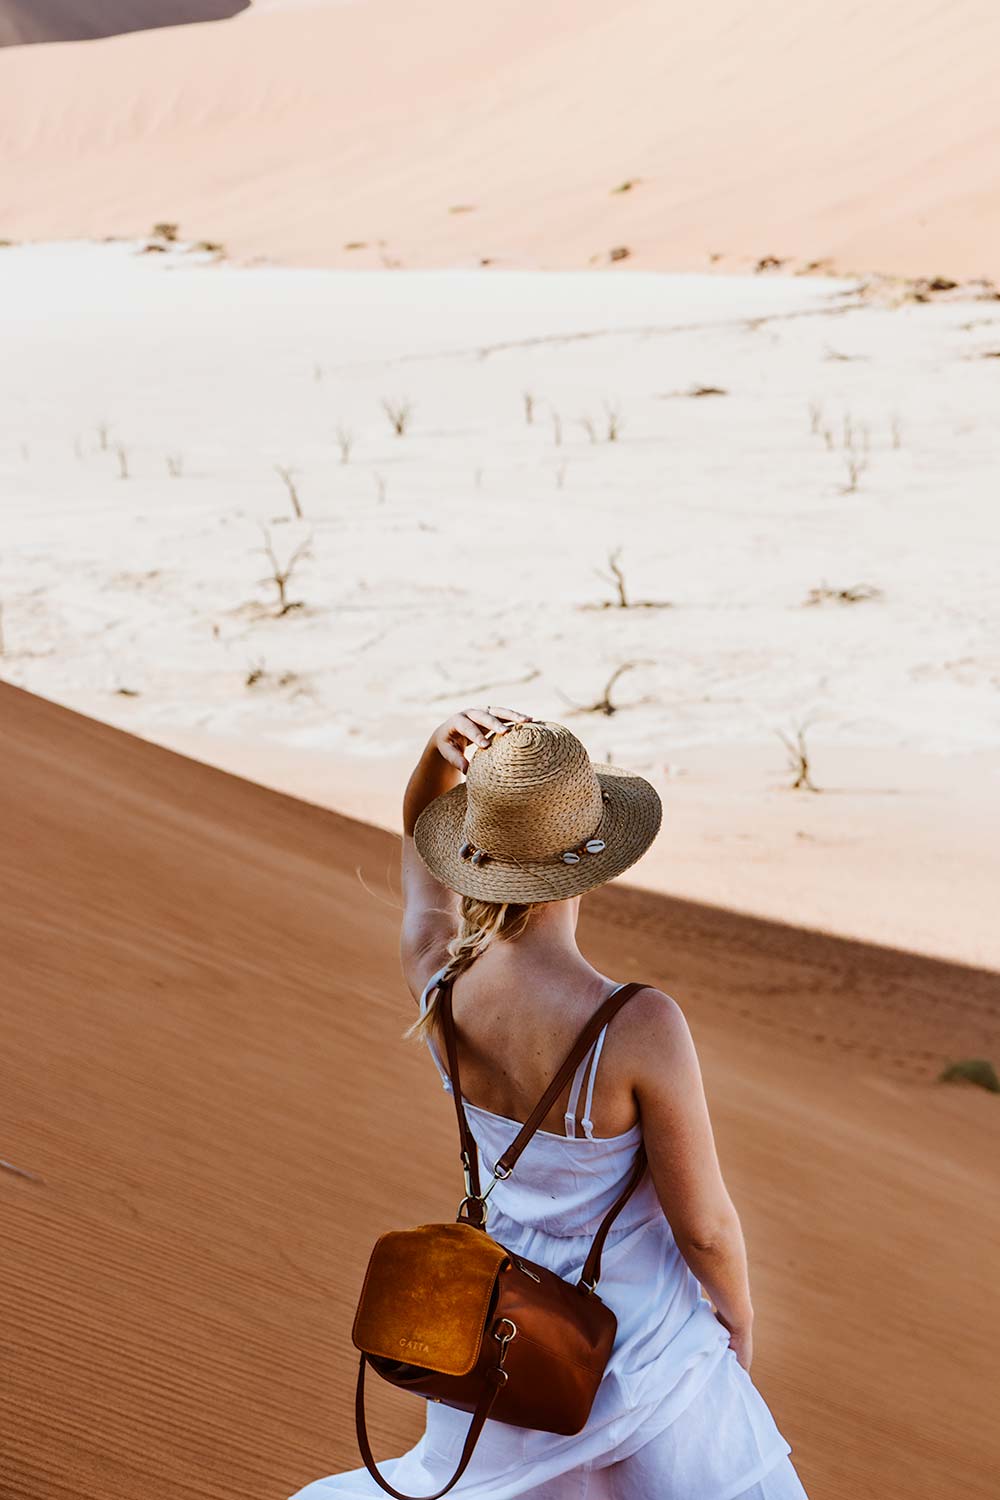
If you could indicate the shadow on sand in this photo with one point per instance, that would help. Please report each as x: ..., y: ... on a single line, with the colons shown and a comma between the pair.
x: 26, y: 21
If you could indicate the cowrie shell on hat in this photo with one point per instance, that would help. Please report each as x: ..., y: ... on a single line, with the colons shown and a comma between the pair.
x: 549, y: 822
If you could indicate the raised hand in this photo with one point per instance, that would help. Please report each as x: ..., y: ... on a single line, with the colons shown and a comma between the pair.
x: 473, y: 726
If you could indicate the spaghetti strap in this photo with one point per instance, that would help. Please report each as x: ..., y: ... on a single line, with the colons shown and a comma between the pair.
x: 586, y: 1121
x: 574, y: 1094
x: 590, y: 1062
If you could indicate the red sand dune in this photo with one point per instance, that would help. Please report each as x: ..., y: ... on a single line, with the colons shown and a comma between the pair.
x: 79, y: 20
x: 202, y: 1067
x: 439, y: 134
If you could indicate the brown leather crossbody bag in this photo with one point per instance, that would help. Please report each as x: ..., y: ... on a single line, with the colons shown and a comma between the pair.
x: 448, y: 1313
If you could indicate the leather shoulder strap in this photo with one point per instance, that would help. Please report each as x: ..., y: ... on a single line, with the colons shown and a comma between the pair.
x: 492, y: 1386
x: 574, y: 1057
x: 591, y: 1273
x: 467, y: 1141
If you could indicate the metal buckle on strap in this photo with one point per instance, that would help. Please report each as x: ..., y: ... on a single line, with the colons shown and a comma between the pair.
x: 483, y: 1206
x: 500, y: 1174
x: 503, y: 1339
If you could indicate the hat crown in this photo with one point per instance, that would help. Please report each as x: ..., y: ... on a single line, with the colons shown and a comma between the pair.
x: 531, y: 793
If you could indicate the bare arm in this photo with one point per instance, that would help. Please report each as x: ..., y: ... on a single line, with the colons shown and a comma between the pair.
x: 685, y: 1166
x: 430, y: 909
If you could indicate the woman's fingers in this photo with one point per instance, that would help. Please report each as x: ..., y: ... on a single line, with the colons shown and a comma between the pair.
x: 452, y: 755
x: 486, y: 719
x: 497, y: 720
x: 466, y: 726
x: 509, y: 713
x: 473, y: 727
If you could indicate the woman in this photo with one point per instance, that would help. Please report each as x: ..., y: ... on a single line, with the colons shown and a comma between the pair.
x: 493, y: 870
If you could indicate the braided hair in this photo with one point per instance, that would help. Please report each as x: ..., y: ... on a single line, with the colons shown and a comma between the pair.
x: 480, y: 923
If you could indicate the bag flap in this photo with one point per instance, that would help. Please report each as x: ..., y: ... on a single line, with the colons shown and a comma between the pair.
x: 427, y: 1295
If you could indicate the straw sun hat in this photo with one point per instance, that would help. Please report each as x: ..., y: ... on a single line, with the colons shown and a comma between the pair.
x: 535, y: 820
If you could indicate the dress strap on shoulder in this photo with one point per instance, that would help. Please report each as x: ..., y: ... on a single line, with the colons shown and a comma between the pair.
x: 586, y: 1121
x: 587, y: 1067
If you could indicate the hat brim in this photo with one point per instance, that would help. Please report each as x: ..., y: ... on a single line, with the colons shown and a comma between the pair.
x: 633, y: 813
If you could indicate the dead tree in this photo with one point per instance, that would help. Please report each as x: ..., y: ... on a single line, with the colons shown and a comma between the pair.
x: 122, y: 456
x: 855, y: 466
x: 616, y: 577
x: 798, y: 758
x: 614, y: 423
x: 399, y: 414
x: 345, y: 442
x: 287, y: 478
x: 605, y: 704
x: 529, y: 406
x: 282, y: 576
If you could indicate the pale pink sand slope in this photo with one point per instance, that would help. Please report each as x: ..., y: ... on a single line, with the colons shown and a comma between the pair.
x: 441, y: 134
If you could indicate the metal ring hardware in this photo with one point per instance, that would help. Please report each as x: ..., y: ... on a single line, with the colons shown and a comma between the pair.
x: 484, y: 1206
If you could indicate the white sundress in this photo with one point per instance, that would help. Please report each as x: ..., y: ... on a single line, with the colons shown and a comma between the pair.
x: 676, y: 1416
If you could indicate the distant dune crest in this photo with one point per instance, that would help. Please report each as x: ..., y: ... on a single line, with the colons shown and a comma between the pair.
x: 344, y: 133
x: 23, y: 21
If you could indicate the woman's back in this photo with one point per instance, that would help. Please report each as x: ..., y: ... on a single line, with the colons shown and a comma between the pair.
x: 568, y: 1177
x: 517, y: 1015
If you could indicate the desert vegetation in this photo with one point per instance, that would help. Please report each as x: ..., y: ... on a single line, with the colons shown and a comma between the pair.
x: 798, y: 757
x: 605, y: 703
x: 856, y: 593
x: 280, y: 574
x: 975, y: 1070
x: 622, y: 599
x: 399, y: 413
x: 287, y: 477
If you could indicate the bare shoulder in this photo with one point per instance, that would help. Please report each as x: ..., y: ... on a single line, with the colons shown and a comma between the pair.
x: 653, y: 1034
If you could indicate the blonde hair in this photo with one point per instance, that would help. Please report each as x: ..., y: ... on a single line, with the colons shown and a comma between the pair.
x: 480, y: 923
